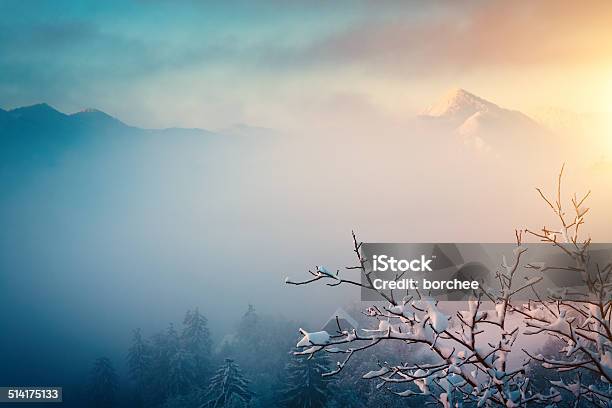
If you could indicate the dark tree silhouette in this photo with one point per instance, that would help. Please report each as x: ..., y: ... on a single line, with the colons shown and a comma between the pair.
x: 165, y: 345
x: 228, y: 387
x: 104, y: 384
x: 250, y: 343
x: 139, y: 359
x: 181, y: 373
x: 195, y: 340
x: 306, y: 387
x: 248, y: 323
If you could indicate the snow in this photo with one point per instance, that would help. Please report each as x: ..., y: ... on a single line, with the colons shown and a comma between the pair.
x: 439, y: 321
x: 310, y: 350
x: 323, y: 271
x: 458, y: 104
x: 560, y: 324
x: 471, y: 126
x: 376, y: 373
x: 398, y: 309
x: 500, y: 309
x: 315, y: 338
x: 537, y: 313
x: 479, y: 123
x: 351, y: 336
x: 383, y: 327
x: 422, y: 383
x: 407, y: 393
x: 574, y: 388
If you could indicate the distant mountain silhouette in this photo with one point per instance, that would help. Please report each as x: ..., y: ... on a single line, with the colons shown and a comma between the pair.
x: 36, y: 137
x: 97, y: 118
x: 464, y: 109
x: 458, y: 105
x: 41, y: 119
x: 36, y: 113
x: 44, y: 119
x: 482, y: 124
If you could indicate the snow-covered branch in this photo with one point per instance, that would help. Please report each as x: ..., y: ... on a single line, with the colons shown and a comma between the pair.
x: 471, y: 347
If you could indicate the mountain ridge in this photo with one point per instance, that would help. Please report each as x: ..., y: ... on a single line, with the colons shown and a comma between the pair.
x: 42, y: 115
x: 466, y: 111
x: 97, y: 117
x: 458, y: 104
x: 37, y: 112
x: 482, y: 124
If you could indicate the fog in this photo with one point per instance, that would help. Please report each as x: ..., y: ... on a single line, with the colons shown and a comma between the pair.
x: 114, y: 232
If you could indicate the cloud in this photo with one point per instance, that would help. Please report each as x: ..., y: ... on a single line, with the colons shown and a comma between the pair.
x: 48, y: 59
x: 457, y: 37
x: 129, y: 53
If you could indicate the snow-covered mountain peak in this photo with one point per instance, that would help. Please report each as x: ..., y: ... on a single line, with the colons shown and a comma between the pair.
x: 459, y: 104
x: 479, y: 123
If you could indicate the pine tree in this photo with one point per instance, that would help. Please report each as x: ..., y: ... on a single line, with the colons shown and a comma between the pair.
x: 259, y: 336
x: 181, y: 373
x: 228, y: 387
x: 195, y: 340
x: 306, y: 387
x: 248, y: 323
x: 165, y: 345
x: 250, y: 342
x: 104, y: 383
x: 172, y: 341
x: 139, y: 359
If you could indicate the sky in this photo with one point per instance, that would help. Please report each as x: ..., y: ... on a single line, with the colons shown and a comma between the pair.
x: 155, y: 223
x: 156, y: 63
